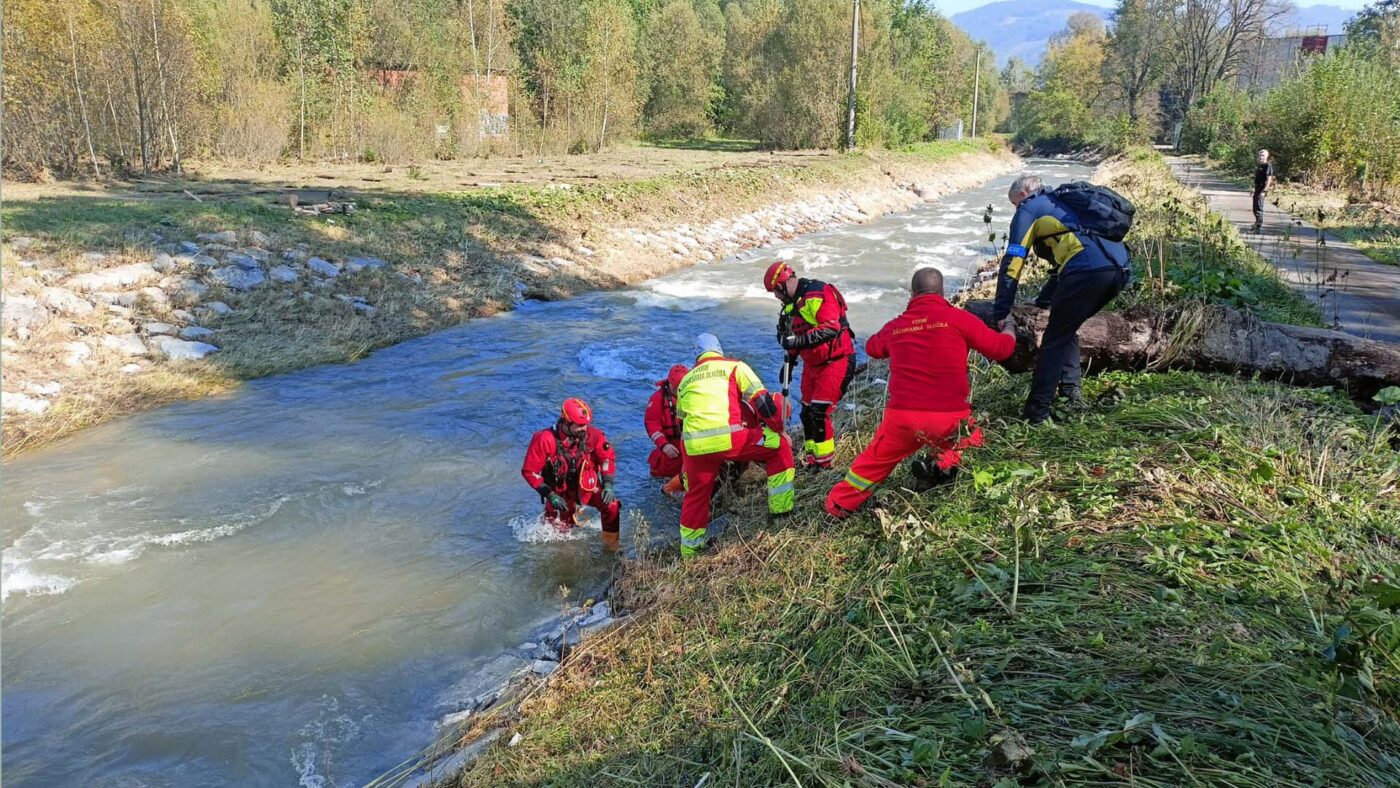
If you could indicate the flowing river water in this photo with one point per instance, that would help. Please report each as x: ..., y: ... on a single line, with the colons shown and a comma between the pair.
x: 292, y: 583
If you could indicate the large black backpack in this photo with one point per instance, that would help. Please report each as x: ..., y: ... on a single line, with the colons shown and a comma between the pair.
x: 1100, y: 210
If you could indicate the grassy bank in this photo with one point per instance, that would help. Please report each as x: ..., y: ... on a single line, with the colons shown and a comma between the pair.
x: 1192, y: 583
x: 452, y: 253
x: 1372, y: 227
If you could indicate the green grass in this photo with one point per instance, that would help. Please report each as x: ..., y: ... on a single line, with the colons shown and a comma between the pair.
x: 1192, y: 585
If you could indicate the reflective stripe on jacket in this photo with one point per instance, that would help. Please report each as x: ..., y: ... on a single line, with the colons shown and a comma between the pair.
x: 711, y: 401
x: 1043, y: 226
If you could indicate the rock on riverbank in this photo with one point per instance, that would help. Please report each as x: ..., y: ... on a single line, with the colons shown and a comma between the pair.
x: 172, y: 317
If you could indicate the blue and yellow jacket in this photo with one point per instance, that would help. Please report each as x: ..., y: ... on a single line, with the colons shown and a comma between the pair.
x: 1043, y: 225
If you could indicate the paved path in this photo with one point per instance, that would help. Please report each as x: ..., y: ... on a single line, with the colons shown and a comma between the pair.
x: 1364, y: 296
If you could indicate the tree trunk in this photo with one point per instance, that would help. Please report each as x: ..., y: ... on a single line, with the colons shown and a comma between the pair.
x: 82, y: 103
x: 1216, y: 339
x: 164, y: 101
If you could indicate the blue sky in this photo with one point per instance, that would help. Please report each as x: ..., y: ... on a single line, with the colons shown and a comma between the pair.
x: 950, y: 7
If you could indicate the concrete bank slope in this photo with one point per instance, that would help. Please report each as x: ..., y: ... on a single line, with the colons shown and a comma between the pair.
x: 116, y: 302
x: 1354, y: 293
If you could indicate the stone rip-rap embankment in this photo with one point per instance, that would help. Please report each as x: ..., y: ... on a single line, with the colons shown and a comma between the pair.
x: 101, y: 332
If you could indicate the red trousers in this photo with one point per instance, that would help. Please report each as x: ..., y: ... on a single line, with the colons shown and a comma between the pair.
x: 822, y: 388
x: 901, y: 433
x: 611, y: 513
x: 750, y: 445
x: 662, y: 466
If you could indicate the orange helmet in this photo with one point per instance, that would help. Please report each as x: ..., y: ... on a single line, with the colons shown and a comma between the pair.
x: 776, y: 275
x: 576, y: 411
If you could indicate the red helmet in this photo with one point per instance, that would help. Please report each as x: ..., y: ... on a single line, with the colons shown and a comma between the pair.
x: 576, y: 411
x: 776, y: 275
x: 677, y: 374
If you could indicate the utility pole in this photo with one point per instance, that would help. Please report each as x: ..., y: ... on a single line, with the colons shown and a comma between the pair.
x: 851, y: 97
x: 976, y: 87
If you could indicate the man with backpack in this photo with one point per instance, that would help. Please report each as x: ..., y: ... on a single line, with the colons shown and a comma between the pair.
x: 1078, y: 228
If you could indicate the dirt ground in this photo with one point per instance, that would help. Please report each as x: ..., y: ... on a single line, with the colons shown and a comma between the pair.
x: 206, y: 180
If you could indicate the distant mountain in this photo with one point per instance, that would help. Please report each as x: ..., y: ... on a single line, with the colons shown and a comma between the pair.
x: 1021, y: 27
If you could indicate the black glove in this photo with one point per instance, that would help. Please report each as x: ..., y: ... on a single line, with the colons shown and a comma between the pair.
x: 790, y: 342
x: 784, y: 325
x: 608, y: 495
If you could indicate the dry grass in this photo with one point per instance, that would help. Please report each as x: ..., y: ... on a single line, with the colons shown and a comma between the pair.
x: 473, y: 251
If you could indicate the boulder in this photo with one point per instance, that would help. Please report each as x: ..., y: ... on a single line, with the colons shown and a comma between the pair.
x: 22, y: 316
x: 107, y: 297
x: 18, y: 402
x: 183, y: 315
x: 244, y: 261
x: 163, y: 263
x: 132, y: 369
x: 191, y: 289
x: 295, y: 255
x: 236, y: 278
x: 543, y: 667
x: 180, y: 349
x: 221, y: 237
x: 203, y: 261
x: 21, y: 243
x: 53, y: 274
x: 322, y: 267
x: 154, y: 295
x: 219, y: 308
x: 50, y: 389
x: 127, y: 300
x: 261, y: 255
x: 120, y: 276
x: 94, y: 258
x: 65, y: 302
x: 196, y: 333
x: 356, y: 264
x: 125, y: 344
x: 282, y: 274
x: 160, y: 329
x: 189, y: 247
x: 256, y: 238
x: 78, y: 353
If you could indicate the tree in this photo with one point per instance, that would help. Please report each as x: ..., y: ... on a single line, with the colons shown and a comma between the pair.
x: 1137, y: 58
x: 1376, y: 31
x: 1210, y: 38
x: 684, y: 58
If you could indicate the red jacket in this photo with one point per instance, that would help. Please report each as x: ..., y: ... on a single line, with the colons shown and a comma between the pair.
x: 927, y: 348
x: 817, y: 315
x: 663, y: 426
x: 565, y: 464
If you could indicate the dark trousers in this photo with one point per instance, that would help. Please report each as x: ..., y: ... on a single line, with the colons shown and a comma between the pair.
x: 1079, y: 296
x: 1258, y: 207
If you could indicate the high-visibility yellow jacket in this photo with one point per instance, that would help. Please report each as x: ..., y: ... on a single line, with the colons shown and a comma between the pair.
x: 711, y: 400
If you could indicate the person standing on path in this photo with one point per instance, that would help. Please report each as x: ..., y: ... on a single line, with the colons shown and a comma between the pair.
x: 1087, y: 272
x: 1263, y: 181
x: 927, y: 347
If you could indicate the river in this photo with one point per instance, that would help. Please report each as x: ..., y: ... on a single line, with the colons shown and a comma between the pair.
x: 289, y: 584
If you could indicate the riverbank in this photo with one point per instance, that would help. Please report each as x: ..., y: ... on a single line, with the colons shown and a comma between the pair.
x: 1191, y: 582
x: 120, y: 301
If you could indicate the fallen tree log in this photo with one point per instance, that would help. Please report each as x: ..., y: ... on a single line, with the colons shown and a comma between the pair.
x: 1215, y: 339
